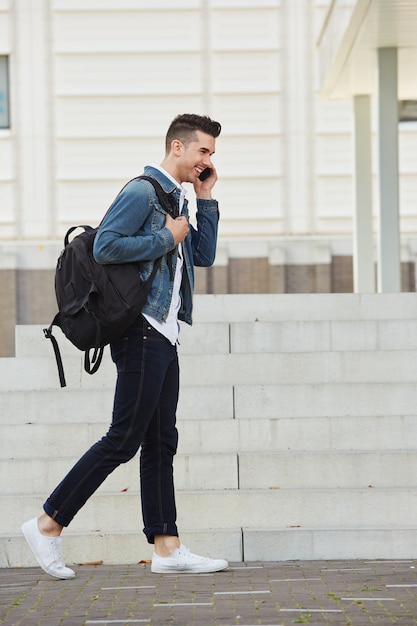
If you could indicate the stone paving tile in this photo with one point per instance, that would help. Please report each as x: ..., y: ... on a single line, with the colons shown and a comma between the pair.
x: 352, y: 593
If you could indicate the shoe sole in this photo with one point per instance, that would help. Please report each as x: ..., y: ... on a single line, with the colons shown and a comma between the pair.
x: 27, y: 535
x: 187, y: 570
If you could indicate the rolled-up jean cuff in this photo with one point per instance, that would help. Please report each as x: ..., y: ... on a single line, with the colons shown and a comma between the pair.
x: 59, y: 519
x: 160, y: 529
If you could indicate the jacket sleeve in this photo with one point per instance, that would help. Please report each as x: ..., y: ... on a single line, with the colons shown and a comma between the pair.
x: 127, y: 234
x: 204, y: 238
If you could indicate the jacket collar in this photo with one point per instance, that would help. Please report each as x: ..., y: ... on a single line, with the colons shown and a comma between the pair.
x: 168, y: 184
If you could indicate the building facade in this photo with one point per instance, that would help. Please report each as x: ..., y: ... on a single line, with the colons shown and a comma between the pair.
x: 87, y: 90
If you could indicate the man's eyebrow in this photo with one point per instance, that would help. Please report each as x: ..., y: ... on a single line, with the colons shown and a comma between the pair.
x: 207, y: 150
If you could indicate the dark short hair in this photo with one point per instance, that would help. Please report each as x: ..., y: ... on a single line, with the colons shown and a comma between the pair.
x: 184, y: 127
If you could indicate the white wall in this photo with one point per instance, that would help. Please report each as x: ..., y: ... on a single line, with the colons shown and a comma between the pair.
x: 95, y: 83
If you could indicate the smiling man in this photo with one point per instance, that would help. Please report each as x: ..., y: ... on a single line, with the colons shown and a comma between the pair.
x: 137, y: 228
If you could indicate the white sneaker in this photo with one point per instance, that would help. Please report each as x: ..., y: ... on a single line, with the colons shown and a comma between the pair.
x: 46, y: 550
x: 182, y: 560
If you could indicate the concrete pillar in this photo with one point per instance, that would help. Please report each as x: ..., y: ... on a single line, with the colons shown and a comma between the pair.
x: 33, y: 120
x: 298, y: 96
x: 389, y: 268
x: 363, y: 244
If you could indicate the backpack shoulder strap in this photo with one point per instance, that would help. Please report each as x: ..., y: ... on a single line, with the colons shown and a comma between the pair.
x: 166, y: 199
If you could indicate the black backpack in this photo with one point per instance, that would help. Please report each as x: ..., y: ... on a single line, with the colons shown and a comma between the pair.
x: 97, y: 303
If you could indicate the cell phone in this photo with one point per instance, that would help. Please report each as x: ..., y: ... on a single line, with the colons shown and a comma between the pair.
x: 206, y: 174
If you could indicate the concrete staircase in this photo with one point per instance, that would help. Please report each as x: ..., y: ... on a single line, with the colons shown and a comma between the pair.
x: 298, y: 434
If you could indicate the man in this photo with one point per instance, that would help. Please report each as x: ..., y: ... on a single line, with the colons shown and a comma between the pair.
x: 136, y: 228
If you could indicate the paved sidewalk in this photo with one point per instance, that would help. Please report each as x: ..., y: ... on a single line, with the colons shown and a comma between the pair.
x: 273, y: 594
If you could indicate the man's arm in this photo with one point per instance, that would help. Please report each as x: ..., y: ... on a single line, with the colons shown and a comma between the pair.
x: 122, y: 236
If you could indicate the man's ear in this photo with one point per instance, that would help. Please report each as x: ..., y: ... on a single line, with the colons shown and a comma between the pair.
x: 176, y: 147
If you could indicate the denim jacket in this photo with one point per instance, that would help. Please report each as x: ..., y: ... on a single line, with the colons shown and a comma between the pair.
x: 133, y: 230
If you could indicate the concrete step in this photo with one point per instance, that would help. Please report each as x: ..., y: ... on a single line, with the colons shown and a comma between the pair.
x: 297, y: 426
x: 377, y: 542
x: 23, y: 476
x: 121, y: 547
x: 337, y: 433
x: 388, y: 366
x: 215, y: 402
x: 317, y: 400
x: 56, y: 406
x: 304, y: 307
x: 228, y: 308
x: 82, y: 405
x: 210, y: 338
x: 252, y: 337
x: 328, y: 469
x: 249, y: 544
x: 261, y: 470
x: 40, y: 373
x: 228, y: 508
x: 227, y: 369
x: 323, y: 336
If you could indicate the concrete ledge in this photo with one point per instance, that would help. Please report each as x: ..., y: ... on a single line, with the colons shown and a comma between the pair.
x: 199, y: 436
x: 314, y: 306
x: 322, y: 469
x: 329, y: 543
x: 325, y: 469
x: 33, y: 475
x: 115, y: 548
x: 225, y: 509
x: 323, y: 335
x: 226, y: 370
x: 317, y: 400
x: 211, y: 337
x: 259, y: 544
x: 83, y: 405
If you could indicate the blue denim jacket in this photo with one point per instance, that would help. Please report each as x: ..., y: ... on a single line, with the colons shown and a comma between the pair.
x: 133, y: 229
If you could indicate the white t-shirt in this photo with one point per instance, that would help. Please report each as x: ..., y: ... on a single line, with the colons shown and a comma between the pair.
x: 170, y: 327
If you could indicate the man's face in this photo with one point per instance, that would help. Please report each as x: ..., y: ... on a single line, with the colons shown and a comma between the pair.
x: 196, y: 156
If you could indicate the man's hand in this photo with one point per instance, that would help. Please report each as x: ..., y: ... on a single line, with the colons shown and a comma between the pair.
x: 178, y: 227
x: 203, y: 188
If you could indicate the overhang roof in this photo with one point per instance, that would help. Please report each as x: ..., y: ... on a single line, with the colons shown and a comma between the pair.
x: 352, y: 32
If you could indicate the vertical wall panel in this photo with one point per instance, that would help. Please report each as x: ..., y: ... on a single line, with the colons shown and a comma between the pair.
x: 298, y: 95
x: 92, y: 106
x: 32, y: 128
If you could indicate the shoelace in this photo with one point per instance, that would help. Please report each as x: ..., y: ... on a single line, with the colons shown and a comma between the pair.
x: 188, y: 553
x: 56, y: 553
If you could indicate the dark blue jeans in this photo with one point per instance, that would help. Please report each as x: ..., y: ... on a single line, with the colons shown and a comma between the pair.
x: 144, y: 415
